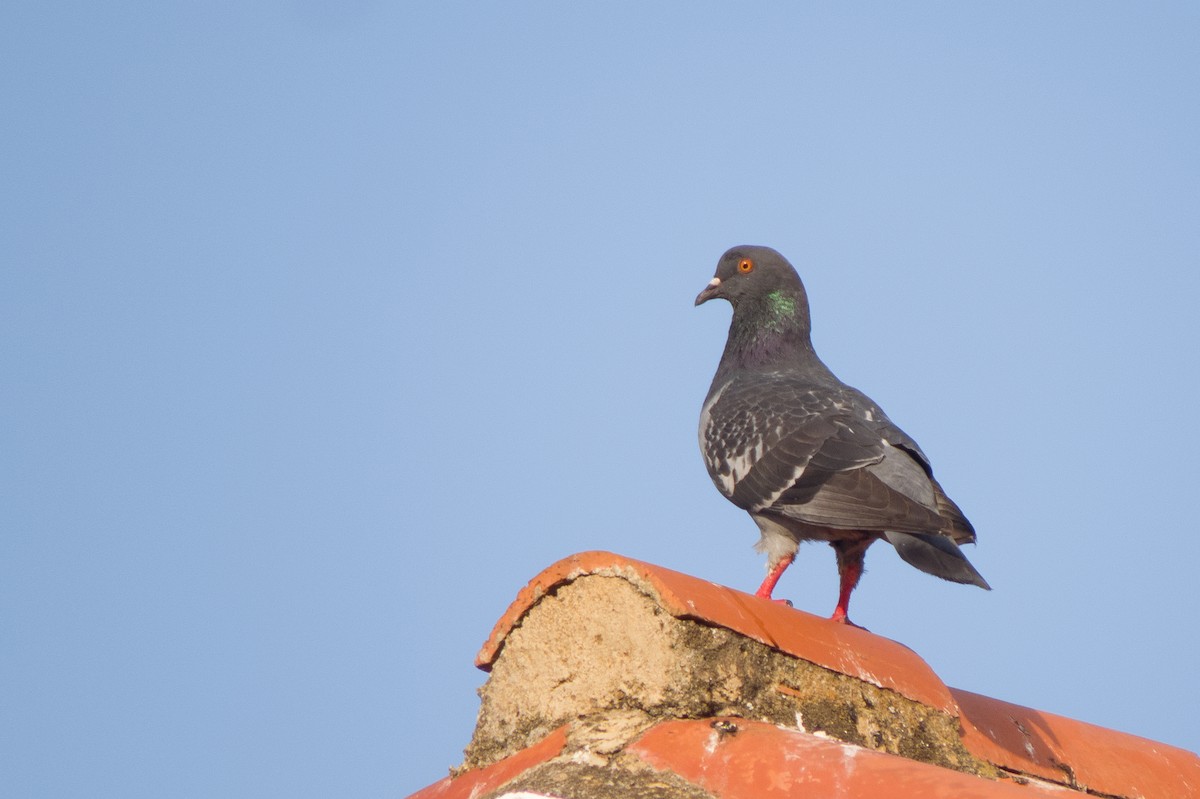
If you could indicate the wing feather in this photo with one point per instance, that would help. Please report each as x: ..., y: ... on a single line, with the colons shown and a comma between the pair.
x: 822, y: 455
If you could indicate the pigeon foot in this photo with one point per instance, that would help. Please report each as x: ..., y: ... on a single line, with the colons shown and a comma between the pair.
x: 839, y: 615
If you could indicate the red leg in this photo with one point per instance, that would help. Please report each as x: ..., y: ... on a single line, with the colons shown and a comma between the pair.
x: 850, y: 556
x: 773, y: 575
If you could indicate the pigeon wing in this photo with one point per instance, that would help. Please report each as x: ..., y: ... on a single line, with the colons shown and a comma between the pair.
x: 954, y: 522
x: 892, y: 493
x: 758, y: 434
x: 822, y: 455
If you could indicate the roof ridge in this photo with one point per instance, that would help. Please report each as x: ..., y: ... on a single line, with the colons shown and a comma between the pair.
x: 615, y: 648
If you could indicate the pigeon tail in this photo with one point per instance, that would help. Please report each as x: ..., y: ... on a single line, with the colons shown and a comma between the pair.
x: 936, y: 555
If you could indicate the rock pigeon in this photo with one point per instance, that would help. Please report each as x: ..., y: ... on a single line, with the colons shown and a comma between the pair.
x: 807, y: 456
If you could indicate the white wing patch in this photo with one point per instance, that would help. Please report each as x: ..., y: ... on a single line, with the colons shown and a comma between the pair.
x: 740, y: 465
x: 706, y: 420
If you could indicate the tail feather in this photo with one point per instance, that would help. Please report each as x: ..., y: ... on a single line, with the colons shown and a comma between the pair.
x: 936, y: 555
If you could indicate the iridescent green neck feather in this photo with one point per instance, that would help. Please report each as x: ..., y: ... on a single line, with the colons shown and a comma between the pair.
x: 769, y: 331
x: 781, y: 311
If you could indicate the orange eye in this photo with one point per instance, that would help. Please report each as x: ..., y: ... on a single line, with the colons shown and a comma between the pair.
x: 745, y: 265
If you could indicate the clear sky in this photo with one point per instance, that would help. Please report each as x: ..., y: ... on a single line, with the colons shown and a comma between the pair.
x: 326, y: 326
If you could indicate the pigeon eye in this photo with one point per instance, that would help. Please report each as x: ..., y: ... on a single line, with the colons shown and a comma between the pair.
x: 745, y: 265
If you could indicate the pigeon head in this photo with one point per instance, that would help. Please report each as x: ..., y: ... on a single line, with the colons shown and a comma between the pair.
x: 770, y: 325
x: 763, y: 288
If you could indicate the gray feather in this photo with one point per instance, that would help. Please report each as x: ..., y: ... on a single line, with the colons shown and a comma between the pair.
x: 936, y: 555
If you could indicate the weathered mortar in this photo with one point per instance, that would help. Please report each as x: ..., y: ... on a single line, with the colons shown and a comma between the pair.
x: 601, y: 655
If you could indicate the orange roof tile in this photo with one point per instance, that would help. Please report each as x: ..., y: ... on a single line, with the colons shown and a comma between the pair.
x: 754, y: 760
x: 479, y: 781
x: 735, y: 758
x: 838, y: 647
x: 1082, y: 755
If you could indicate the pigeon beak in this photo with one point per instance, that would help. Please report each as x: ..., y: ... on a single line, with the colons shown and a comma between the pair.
x: 712, y: 290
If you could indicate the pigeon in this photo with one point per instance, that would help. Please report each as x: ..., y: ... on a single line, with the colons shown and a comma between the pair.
x: 807, y: 456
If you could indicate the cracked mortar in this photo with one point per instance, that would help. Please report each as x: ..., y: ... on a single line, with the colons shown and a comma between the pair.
x: 601, y: 655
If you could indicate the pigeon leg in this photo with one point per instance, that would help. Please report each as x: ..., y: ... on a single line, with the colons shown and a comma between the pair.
x: 773, y: 575
x: 850, y: 555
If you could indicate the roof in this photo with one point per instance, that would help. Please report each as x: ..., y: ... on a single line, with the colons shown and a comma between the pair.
x: 610, y: 676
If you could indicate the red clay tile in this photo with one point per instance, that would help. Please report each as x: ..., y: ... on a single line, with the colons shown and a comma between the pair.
x: 848, y: 650
x: 1073, y: 752
x: 1015, y: 738
x: 738, y: 759
x: 477, y: 782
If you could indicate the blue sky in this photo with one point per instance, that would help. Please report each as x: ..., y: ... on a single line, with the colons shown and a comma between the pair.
x: 327, y: 326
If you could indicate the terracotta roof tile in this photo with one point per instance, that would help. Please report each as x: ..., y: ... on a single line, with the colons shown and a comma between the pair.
x: 838, y: 647
x: 738, y: 757
x: 753, y: 760
x: 477, y: 782
x: 1082, y: 755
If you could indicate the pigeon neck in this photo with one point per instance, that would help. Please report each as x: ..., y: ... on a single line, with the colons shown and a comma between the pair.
x: 773, y: 330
